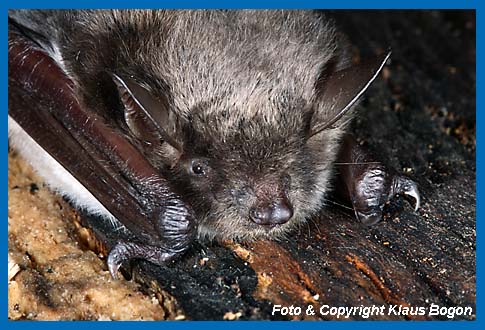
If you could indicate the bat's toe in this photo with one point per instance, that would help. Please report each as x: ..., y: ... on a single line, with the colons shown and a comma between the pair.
x: 407, y: 187
x: 123, y: 252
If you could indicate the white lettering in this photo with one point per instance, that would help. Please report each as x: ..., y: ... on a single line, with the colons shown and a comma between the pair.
x: 276, y: 308
x: 284, y: 310
x: 449, y: 312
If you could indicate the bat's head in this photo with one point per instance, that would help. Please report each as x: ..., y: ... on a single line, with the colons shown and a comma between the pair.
x: 249, y: 169
x: 254, y: 177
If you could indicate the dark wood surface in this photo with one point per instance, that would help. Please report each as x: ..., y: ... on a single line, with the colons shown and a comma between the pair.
x: 419, y: 118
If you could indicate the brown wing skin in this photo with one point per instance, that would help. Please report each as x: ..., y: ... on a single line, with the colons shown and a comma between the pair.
x: 42, y: 102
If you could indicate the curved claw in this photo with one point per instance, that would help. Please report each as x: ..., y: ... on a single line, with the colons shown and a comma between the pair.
x: 374, y: 187
x: 125, y: 251
x: 374, y: 191
x: 176, y: 228
x: 368, y: 184
x: 406, y: 186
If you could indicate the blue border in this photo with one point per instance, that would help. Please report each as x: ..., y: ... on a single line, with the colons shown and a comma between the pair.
x: 335, y: 4
x: 328, y: 4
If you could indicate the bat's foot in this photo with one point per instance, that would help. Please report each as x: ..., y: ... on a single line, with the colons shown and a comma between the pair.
x: 375, y: 189
x: 126, y: 251
x: 368, y: 184
x: 176, y: 230
x: 407, y: 187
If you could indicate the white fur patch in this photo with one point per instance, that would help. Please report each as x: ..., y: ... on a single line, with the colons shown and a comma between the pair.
x: 54, y: 174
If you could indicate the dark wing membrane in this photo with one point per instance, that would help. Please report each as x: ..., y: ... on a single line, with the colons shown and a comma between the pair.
x: 42, y: 102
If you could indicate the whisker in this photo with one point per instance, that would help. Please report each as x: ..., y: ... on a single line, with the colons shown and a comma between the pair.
x: 316, y: 225
x: 339, y: 204
x: 342, y: 212
x: 346, y: 215
x: 356, y: 163
x: 307, y: 225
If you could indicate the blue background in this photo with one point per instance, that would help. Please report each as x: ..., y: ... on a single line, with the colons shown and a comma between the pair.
x: 343, y: 4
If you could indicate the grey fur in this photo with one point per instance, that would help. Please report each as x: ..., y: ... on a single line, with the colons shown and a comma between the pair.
x: 241, y: 87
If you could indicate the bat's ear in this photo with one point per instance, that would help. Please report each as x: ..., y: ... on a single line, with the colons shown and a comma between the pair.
x: 340, y: 90
x: 146, y: 115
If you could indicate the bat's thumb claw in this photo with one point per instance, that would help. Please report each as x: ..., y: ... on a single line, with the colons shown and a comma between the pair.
x: 125, y: 251
x: 406, y: 186
x: 116, y: 257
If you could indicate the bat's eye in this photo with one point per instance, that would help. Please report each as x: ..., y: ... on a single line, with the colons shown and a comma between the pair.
x: 198, y: 167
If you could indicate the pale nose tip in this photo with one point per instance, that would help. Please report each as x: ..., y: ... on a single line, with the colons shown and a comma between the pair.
x: 276, y: 214
x: 260, y: 215
x: 282, y: 212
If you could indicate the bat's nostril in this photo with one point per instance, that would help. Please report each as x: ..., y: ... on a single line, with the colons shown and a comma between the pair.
x: 260, y: 215
x: 281, y: 212
x: 272, y: 214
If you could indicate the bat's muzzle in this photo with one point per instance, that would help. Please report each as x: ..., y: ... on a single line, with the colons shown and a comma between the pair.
x: 272, y: 214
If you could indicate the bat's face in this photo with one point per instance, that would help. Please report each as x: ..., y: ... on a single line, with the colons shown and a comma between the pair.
x: 249, y: 136
x: 248, y: 179
x: 251, y: 165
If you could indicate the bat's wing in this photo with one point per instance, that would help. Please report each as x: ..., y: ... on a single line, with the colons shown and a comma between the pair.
x: 43, y: 103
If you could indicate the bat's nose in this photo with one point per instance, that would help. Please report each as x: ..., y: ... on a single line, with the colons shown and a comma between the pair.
x: 271, y: 214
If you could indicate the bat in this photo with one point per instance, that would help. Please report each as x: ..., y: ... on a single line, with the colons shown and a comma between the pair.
x: 176, y: 125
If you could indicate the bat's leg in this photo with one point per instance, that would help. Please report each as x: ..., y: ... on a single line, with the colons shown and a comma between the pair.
x: 368, y: 184
x: 42, y: 103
